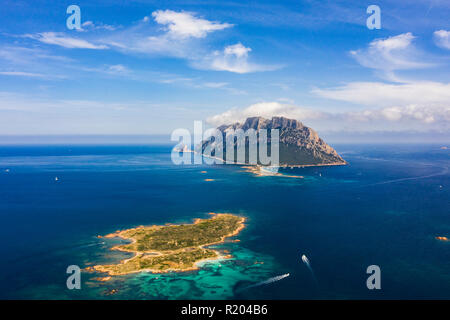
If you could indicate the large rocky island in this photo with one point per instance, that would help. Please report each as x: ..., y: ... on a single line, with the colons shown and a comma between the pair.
x: 167, y: 248
x: 298, y: 145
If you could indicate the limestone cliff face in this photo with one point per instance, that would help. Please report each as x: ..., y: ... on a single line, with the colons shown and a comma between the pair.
x: 299, y: 145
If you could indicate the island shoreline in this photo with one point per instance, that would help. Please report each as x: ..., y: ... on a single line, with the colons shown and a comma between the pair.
x: 137, y: 254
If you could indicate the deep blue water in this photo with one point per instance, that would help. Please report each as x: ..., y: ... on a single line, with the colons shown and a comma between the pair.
x: 385, y: 208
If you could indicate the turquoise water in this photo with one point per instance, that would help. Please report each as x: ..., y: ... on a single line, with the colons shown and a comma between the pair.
x: 385, y: 208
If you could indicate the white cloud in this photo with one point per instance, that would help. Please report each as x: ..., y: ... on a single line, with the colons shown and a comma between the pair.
x: 416, y: 113
x: 89, y: 25
x: 182, y: 31
x: 60, y: 39
x: 215, y: 85
x: 186, y: 25
x: 442, y: 38
x: 237, y: 50
x: 415, y: 104
x: 22, y: 74
x: 393, y: 53
x: 114, y: 70
x: 233, y: 58
x: 182, y: 37
x: 383, y: 94
x: 118, y: 68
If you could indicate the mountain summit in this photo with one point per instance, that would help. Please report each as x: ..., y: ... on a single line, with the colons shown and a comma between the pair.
x: 298, y: 145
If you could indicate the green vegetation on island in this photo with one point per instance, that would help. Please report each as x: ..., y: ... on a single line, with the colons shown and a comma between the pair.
x: 172, y: 247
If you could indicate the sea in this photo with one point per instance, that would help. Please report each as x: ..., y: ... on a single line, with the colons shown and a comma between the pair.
x: 385, y: 208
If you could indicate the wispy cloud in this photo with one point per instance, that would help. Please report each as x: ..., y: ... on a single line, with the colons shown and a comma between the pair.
x: 22, y: 74
x: 198, y: 83
x: 17, y: 55
x: 20, y: 102
x: 38, y: 114
x: 390, y: 54
x: 32, y: 62
x: 383, y: 94
x: 221, y: 86
x: 62, y: 40
x: 89, y: 25
x: 442, y: 38
x: 215, y: 85
x: 116, y: 69
x: 181, y: 29
x: 182, y: 35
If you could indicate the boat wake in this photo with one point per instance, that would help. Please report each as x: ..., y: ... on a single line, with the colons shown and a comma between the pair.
x: 308, y: 265
x: 268, y: 281
x: 441, y: 173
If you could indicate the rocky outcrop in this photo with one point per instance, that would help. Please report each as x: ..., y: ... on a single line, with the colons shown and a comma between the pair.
x: 299, y: 145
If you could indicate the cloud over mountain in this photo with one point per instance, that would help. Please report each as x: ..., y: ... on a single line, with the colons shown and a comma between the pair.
x: 265, y: 110
x: 412, y: 116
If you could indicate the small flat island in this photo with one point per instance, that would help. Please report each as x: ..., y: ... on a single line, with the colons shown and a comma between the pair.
x: 176, y: 248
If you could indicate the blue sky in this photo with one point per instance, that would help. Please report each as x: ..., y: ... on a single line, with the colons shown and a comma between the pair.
x: 149, y: 67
